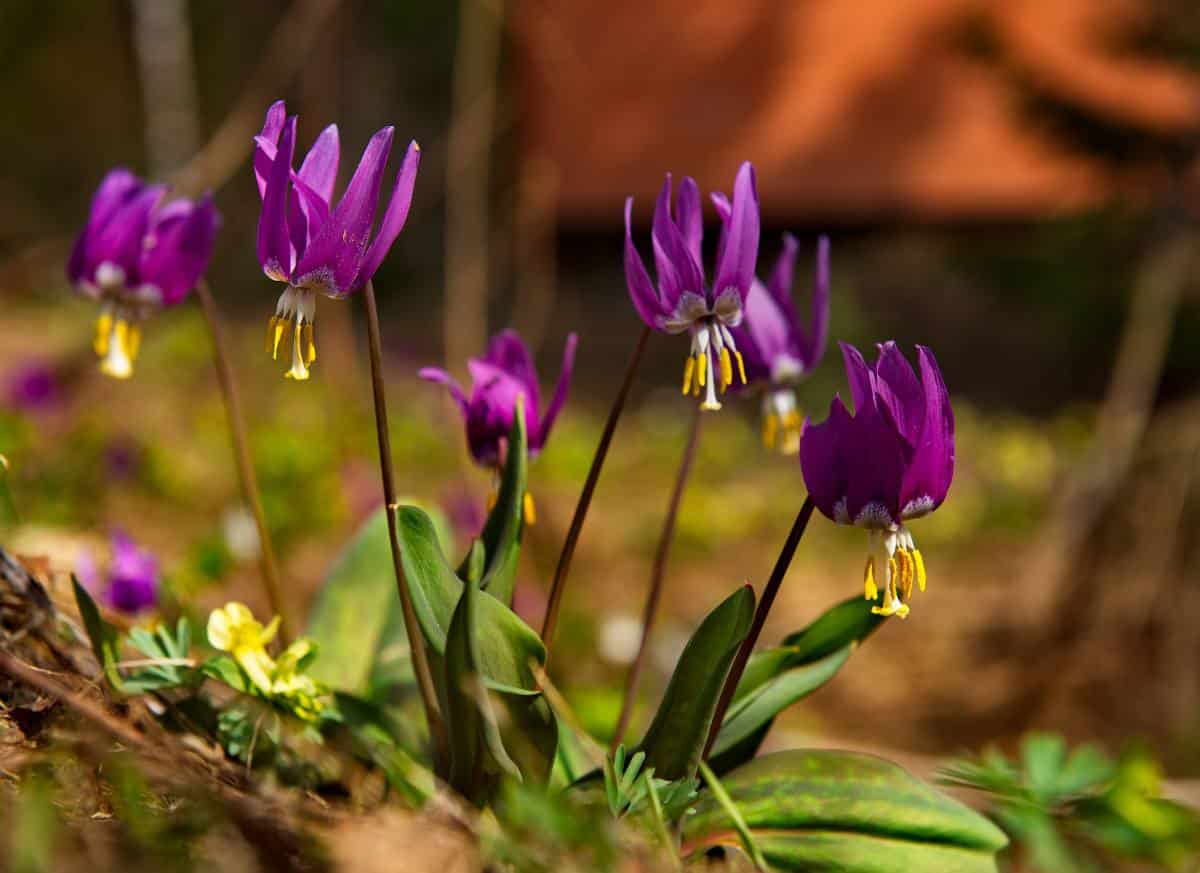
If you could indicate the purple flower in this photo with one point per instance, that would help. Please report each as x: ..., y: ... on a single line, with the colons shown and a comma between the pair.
x: 505, y: 373
x: 33, y: 387
x: 131, y: 583
x: 683, y: 300
x: 890, y: 462
x: 306, y: 241
x: 137, y: 253
x: 779, y: 351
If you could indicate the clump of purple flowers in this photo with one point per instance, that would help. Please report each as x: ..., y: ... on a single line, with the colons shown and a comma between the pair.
x: 307, y: 242
x: 138, y: 253
x: 890, y: 462
x: 683, y: 301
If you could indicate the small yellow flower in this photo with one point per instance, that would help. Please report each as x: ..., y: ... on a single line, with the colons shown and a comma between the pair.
x: 234, y: 629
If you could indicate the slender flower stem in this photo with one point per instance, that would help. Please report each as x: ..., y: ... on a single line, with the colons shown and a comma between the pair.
x: 585, y: 497
x: 656, y: 576
x: 244, y: 460
x: 760, y: 618
x: 416, y: 641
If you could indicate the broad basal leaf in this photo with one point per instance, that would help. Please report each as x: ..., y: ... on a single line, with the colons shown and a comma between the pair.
x: 103, y: 636
x: 851, y: 813
x: 675, y: 739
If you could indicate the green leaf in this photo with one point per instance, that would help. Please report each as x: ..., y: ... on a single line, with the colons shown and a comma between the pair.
x: 501, y: 536
x: 505, y: 647
x: 831, y: 811
x: 477, y: 754
x: 750, y: 717
x: 356, y: 619
x: 776, y: 678
x: 103, y: 636
x: 675, y: 739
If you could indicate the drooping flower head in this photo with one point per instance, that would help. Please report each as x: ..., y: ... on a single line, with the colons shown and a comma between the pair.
x: 683, y: 300
x: 779, y: 351
x: 890, y: 462
x: 498, y: 379
x: 135, y: 254
x: 309, y: 243
x: 131, y: 582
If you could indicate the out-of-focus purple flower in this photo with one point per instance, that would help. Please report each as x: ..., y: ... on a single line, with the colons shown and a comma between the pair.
x: 683, y: 300
x: 123, y: 457
x: 505, y: 373
x: 136, y: 254
x: 306, y: 241
x: 888, y: 463
x: 464, y: 512
x: 34, y: 387
x: 131, y: 582
x: 779, y: 351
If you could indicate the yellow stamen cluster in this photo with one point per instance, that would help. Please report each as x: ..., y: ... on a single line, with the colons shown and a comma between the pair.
x: 905, y: 568
x: 116, y: 344
x: 696, y: 367
x: 304, y: 347
x: 782, y: 431
x: 528, y: 507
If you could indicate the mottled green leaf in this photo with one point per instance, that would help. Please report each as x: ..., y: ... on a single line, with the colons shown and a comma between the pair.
x: 675, y: 739
x: 817, y: 810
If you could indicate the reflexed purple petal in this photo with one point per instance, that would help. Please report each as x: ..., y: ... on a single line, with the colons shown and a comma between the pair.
x: 767, y: 326
x: 274, y: 242
x: 490, y: 415
x: 641, y: 290
x: 932, y: 469
x: 896, y: 386
x: 502, y: 389
x: 721, y: 203
x: 320, y: 166
x: 820, y: 306
x: 862, y: 380
x: 877, y: 466
x: 266, y: 142
x: 536, y: 441
x: 670, y: 282
x: 307, y: 213
x: 508, y: 354
x: 132, y: 577
x: 180, y: 250
x: 783, y: 275
x: 119, y: 241
x: 690, y: 218
x: 336, y: 253
x: 116, y: 189
x: 735, y: 265
x: 394, y: 216
x: 669, y: 243
x: 823, y: 459
x: 437, y: 374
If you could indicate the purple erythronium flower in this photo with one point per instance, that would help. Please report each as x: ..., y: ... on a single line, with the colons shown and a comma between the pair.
x: 34, y: 387
x: 779, y: 351
x: 131, y: 584
x: 307, y: 241
x: 498, y: 379
x: 135, y: 254
x: 683, y: 300
x: 890, y: 462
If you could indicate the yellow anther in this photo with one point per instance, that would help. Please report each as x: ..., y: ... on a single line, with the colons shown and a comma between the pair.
x: 280, y: 325
x: 103, y: 327
x: 905, y: 563
x: 702, y: 368
x: 893, y: 572
x: 726, y: 370
x: 529, y: 509
x: 135, y: 341
x: 271, y: 341
x: 870, y: 589
x: 310, y: 346
x: 919, y: 564
x: 491, y: 500
x: 689, y: 370
x: 769, y: 429
x: 741, y: 366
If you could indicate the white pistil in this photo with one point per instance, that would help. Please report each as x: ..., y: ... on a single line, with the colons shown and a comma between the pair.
x: 294, y: 313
